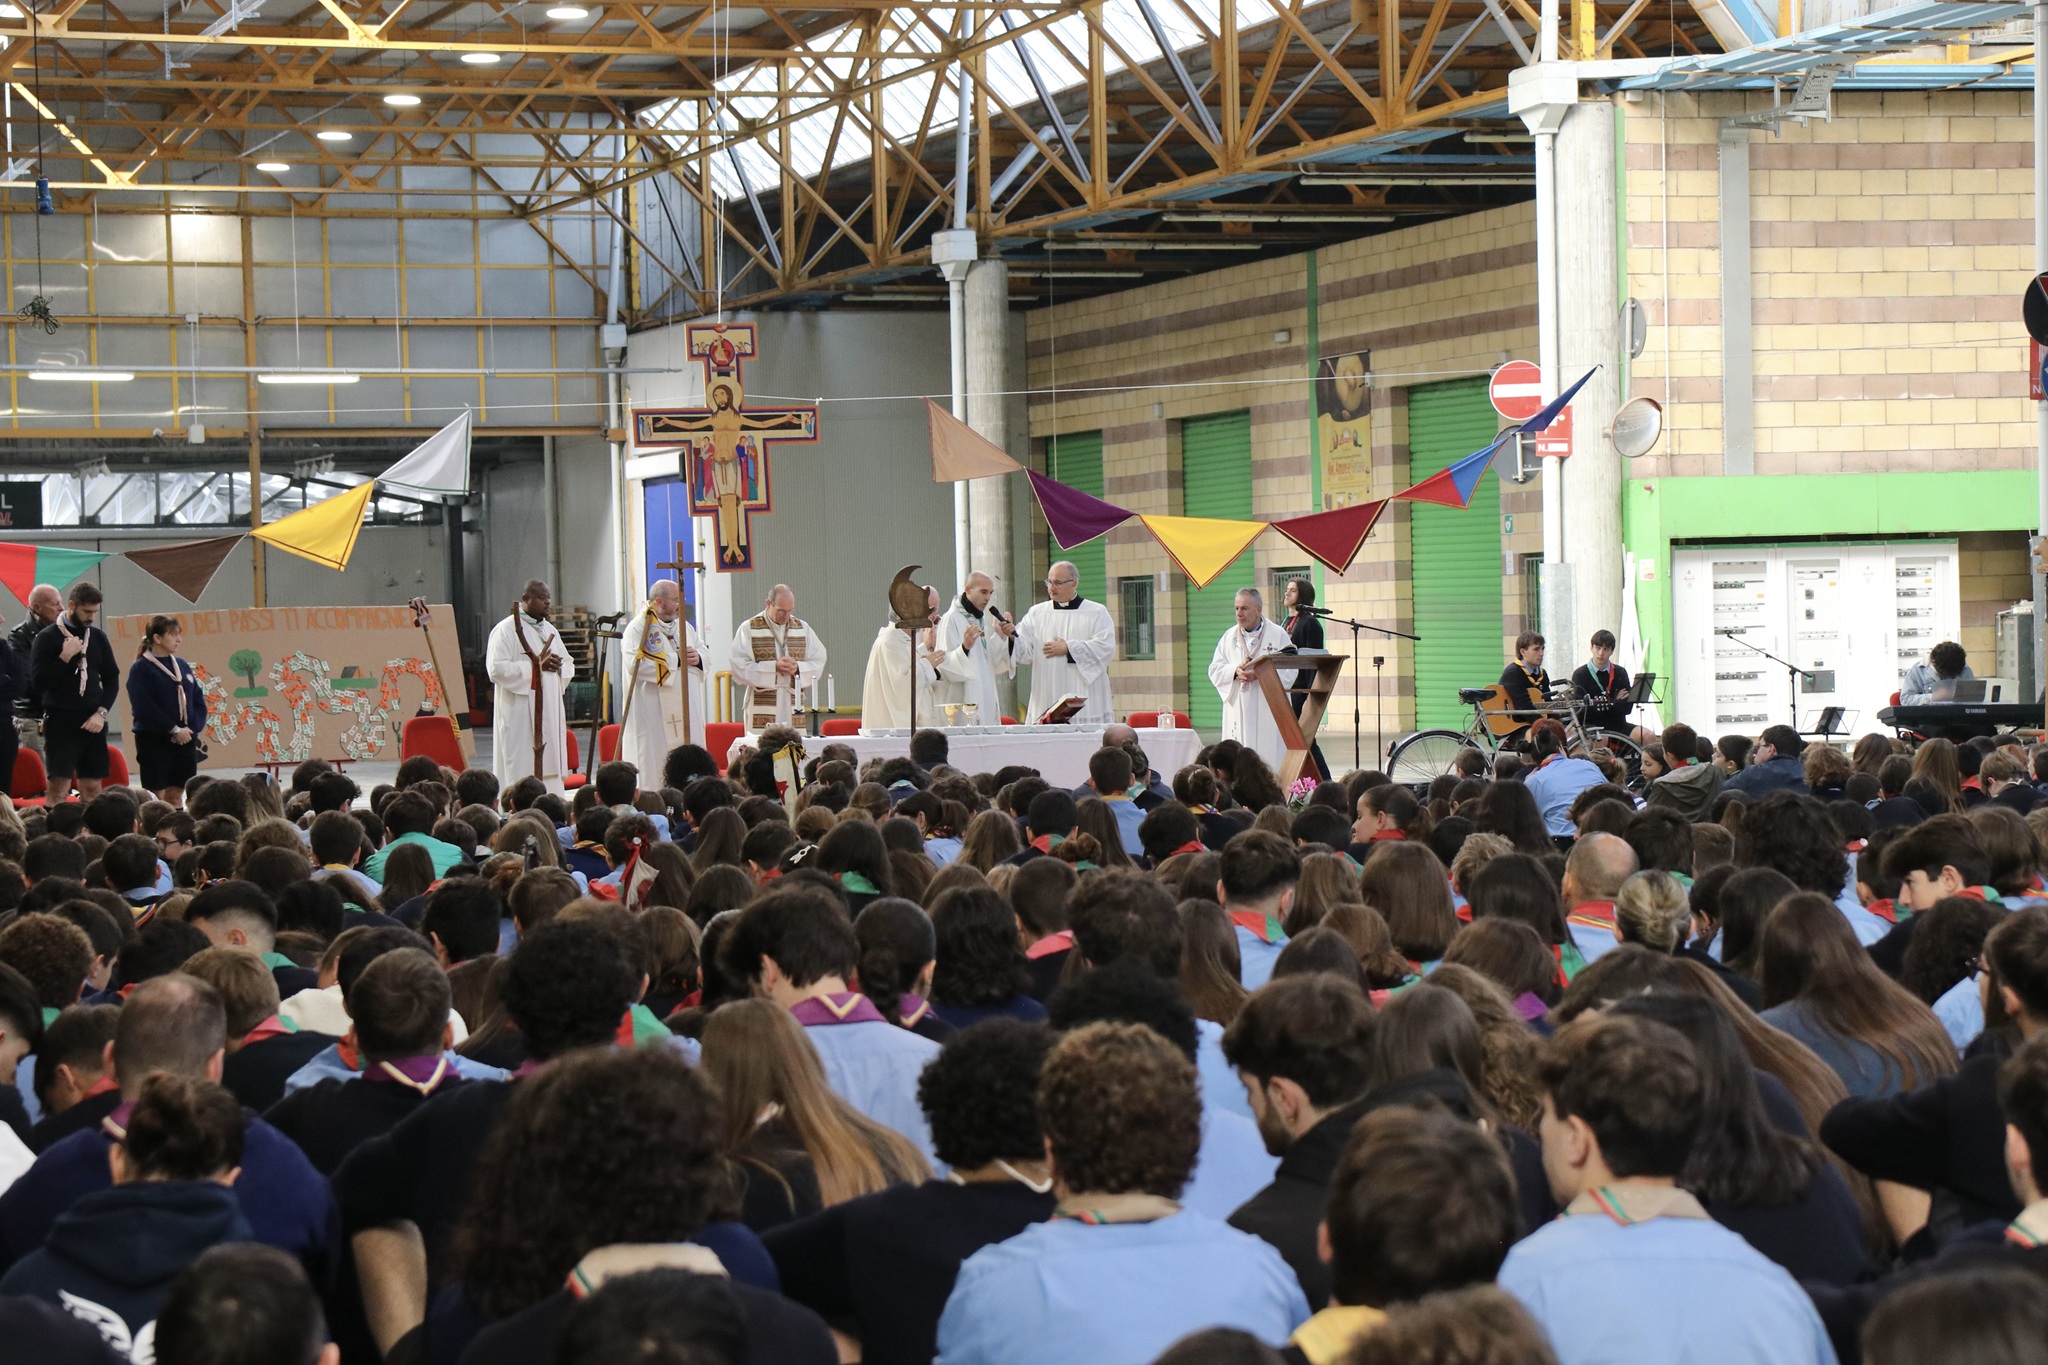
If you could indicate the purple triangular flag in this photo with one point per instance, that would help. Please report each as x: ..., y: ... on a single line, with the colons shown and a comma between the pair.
x: 1075, y: 517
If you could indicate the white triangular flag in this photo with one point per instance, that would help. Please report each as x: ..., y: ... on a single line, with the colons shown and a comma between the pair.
x: 439, y: 467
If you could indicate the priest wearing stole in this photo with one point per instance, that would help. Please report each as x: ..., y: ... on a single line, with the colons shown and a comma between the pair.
x: 885, y: 693
x: 1068, y: 643
x: 775, y: 656
x: 976, y: 655
x: 1246, y: 716
x: 652, y: 646
x: 530, y: 667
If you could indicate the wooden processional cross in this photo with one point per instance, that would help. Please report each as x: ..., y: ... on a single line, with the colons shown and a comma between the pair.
x: 683, y: 566
x: 725, y: 443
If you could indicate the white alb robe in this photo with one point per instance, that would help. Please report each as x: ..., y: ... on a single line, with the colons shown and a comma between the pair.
x: 1082, y: 672
x: 969, y: 675
x: 655, y: 724
x: 771, y: 698
x: 512, y: 703
x: 1246, y: 716
x: 885, y: 692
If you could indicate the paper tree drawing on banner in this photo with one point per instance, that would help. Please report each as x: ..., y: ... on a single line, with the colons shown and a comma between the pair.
x: 725, y: 443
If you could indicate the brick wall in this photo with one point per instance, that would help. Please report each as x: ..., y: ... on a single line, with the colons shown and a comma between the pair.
x: 1889, y: 248
x: 1437, y: 302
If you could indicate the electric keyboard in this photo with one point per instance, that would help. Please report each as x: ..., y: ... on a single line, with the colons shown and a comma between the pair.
x: 2011, y: 714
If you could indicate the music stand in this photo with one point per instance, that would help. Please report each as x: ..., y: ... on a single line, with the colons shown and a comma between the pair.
x: 1829, y: 722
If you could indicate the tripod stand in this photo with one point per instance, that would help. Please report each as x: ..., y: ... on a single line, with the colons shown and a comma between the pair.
x: 1378, y: 660
x: 1793, y: 672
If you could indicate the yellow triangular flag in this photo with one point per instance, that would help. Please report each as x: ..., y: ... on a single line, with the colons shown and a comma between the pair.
x: 325, y: 532
x: 1202, y: 547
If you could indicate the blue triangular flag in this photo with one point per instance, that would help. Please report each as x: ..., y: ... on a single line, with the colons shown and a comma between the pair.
x: 1556, y: 405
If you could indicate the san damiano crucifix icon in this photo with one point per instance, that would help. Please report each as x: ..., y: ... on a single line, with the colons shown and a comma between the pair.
x: 725, y: 443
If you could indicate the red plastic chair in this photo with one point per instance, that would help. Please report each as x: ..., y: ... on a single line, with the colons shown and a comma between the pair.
x: 719, y: 737
x: 607, y: 743
x: 1146, y: 720
x: 574, y: 778
x: 1011, y: 720
x: 431, y: 737
x: 31, y: 781
x: 841, y: 726
x: 117, y: 766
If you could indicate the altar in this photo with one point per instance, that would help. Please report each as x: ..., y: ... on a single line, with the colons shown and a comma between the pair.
x: 1059, y: 752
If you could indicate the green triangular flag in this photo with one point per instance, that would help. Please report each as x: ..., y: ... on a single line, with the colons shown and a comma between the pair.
x: 60, y: 567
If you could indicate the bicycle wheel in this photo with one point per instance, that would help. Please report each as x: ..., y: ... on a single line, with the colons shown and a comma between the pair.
x: 1424, y: 756
x: 1625, y: 749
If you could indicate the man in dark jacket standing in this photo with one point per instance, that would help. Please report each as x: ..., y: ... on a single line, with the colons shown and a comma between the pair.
x: 45, y: 604
x: 1302, y: 1045
x: 75, y: 676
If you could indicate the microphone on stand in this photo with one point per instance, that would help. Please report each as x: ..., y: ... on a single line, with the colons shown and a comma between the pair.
x: 1315, y: 611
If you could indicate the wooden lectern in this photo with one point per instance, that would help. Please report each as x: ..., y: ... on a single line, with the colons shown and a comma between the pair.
x: 1275, y: 673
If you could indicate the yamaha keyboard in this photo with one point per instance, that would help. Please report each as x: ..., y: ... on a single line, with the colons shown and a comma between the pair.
x: 2016, y: 715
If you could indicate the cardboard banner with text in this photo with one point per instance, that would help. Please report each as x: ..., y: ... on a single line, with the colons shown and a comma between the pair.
x: 285, y: 684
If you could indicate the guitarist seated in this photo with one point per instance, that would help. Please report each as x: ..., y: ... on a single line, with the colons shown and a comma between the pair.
x: 1528, y: 686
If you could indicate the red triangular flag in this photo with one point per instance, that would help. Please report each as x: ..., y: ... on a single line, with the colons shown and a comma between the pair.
x: 18, y: 570
x: 1333, y: 538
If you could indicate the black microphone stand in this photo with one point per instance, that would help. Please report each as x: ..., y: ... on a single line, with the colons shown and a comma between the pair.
x: 1357, y: 723
x: 1793, y: 671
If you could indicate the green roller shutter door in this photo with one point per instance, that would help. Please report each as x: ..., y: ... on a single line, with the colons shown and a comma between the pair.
x: 1216, y: 480
x: 1076, y: 461
x: 1456, y: 554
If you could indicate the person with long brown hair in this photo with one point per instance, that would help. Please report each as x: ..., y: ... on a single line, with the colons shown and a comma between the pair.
x: 1935, y: 764
x: 1095, y: 818
x: 1327, y: 880
x: 1365, y: 929
x: 784, y: 1128
x: 991, y: 838
x: 1209, y: 963
x: 1823, y: 989
x: 1406, y: 884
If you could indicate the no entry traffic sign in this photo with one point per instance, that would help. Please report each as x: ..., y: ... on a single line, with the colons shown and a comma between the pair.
x: 1516, y: 390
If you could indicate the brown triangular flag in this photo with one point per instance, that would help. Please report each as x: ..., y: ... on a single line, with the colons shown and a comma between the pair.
x: 187, y: 567
x: 960, y: 452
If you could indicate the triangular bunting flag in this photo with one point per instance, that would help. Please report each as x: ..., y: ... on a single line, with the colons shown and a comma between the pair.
x: 1556, y: 405
x: 1333, y: 538
x: 18, y: 569
x: 1452, y: 487
x: 438, y: 467
x: 960, y: 452
x: 1075, y: 517
x: 61, y: 568
x: 325, y: 532
x: 1202, y: 547
x: 187, y: 567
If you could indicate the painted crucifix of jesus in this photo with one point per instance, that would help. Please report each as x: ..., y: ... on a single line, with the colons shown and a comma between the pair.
x: 725, y: 443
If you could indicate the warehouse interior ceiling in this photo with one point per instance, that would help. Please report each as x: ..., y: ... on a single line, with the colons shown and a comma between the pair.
x: 799, y: 155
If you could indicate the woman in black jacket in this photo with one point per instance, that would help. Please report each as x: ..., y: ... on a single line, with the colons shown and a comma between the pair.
x: 1306, y: 630
x: 167, y: 711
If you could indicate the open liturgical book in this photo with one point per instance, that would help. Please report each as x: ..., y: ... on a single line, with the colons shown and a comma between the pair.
x: 1063, y: 710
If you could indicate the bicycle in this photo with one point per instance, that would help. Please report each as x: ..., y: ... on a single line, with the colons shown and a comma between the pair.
x: 1421, y: 757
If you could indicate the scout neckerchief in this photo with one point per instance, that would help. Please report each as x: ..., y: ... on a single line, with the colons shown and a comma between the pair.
x: 1260, y: 925
x: 850, y: 1007
x: 421, y: 1074
x: 176, y: 673
x: 1632, y: 1204
x: 2030, y: 1229
x: 83, y: 633
x: 1103, y: 1209
x: 1537, y: 680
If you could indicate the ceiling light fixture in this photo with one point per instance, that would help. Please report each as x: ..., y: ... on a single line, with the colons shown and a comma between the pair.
x: 481, y: 58
x: 401, y: 101
x: 335, y: 135
x: 568, y: 12
x: 307, y: 377
x: 68, y: 376
x: 273, y: 167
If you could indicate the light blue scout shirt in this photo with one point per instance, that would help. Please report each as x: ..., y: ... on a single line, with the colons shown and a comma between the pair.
x: 1634, y: 1275
x: 871, y: 1063
x: 1259, y: 941
x: 1116, y: 1293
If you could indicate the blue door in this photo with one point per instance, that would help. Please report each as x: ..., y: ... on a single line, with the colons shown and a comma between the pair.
x: 668, y: 520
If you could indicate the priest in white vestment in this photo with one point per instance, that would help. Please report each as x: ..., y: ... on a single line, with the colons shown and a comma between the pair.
x: 655, y: 647
x: 1247, y: 718
x: 777, y: 657
x: 1068, y: 643
x: 885, y: 692
x: 976, y: 655
x: 528, y: 663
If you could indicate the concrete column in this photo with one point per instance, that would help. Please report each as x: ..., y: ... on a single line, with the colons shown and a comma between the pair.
x: 1589, y: 334
x: 988, y: 376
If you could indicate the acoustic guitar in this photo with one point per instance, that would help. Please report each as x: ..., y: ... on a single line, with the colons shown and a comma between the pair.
x: 1498, y: 714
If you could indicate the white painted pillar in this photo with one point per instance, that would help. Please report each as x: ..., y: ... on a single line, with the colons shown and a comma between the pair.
x: 1588, y: 302
x: 988, y: 375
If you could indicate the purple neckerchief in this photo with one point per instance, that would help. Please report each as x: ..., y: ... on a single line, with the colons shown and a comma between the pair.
x: 911, y: 1008
x: 1530, y: 1007
x: 847, y: 1007
x: 422, y: 1073
x: 115, y: 1125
